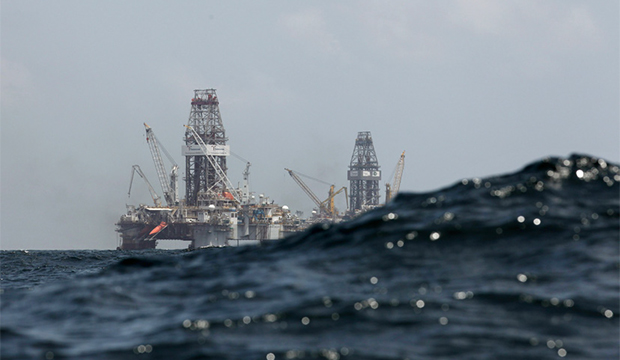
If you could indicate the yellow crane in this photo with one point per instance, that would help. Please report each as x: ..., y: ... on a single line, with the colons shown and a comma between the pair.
x: 326, y: 207
x: 392, y: 190
x: 329, y: 202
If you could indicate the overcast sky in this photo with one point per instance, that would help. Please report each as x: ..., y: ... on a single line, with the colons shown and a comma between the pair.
x: 466, y: 88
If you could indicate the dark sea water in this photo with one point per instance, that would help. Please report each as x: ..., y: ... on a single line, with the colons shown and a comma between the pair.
x: 520, y: 266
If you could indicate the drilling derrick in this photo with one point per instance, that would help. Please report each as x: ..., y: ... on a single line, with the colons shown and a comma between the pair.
x: 364, y: 174
x: 203, y: 181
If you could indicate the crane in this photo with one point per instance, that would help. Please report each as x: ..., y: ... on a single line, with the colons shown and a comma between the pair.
x: 245, y: 191
x: 307, y: 190
x: 246, y: 184
x: 156, y: 198
x: 331, y: 209
x: 326, y: 206
x: 392, y: 190
x: 221, y: 174
x: 170, y: 186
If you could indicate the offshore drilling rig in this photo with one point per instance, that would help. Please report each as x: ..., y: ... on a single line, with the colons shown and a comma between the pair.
x: 214, y: 212
x: 364, y: 176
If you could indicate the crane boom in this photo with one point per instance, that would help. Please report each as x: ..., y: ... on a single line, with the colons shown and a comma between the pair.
x: 399, y: 173
x: 306, y: 189
x: 156, y: 198
x: 221, y: 174
x: 168, y: 186
x: 246, y: 184
x: 330, y: 200
x: 392, y: 190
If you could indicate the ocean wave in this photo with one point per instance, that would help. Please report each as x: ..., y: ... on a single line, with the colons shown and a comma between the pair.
x: 522, y: 266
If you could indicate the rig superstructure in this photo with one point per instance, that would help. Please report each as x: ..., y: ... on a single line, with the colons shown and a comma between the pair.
x: 214, y: 212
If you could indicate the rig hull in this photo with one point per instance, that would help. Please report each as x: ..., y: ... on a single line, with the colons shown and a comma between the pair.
x: 141, y: 228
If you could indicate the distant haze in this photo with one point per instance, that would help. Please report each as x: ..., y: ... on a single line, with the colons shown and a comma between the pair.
x: 466, y: 88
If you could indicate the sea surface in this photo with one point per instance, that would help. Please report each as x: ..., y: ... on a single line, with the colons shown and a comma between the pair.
x: 519, y: 266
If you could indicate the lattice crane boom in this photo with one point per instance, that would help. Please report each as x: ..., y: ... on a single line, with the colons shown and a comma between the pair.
x: 168, y: 186
x: 399, y: 173
x: 156, y: 198
x: 306, y: 189
x: 330, y: 200
x: 392, y: 190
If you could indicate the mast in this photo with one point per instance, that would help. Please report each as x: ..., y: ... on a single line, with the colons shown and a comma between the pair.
x: 364, y: 173
x: 202, y: 179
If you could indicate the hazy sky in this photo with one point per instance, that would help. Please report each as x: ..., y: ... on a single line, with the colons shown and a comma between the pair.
x: 466, y: 88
